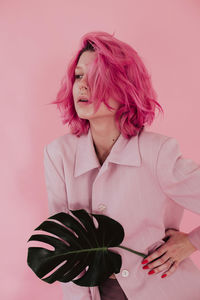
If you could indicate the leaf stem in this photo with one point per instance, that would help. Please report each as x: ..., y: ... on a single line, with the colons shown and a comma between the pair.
x: 81, y: 251
x: 133, y: 251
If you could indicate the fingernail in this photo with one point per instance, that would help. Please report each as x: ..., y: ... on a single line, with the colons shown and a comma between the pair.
x: 151, y: 272
x: 145, y: 267
x: 164, y: 275
x: 145, y: 261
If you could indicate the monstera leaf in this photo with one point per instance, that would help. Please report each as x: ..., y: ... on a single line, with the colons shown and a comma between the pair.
x: 80, y: 246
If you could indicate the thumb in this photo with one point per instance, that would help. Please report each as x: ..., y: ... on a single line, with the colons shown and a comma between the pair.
x: 170, y: 231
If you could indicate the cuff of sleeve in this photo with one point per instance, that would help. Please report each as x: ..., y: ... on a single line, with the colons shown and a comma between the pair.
x: 194, y: 237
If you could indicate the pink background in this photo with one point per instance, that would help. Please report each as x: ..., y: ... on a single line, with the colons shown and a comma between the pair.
x: 37, y: 40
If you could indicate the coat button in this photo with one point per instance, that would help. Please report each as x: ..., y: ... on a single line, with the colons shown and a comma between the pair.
x: 125, y: 273
x: 101, y: 207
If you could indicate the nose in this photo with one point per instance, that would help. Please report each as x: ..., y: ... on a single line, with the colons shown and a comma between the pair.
x: 83, y: 83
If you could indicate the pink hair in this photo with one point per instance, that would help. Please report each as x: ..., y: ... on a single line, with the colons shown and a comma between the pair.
x: 117, y: 72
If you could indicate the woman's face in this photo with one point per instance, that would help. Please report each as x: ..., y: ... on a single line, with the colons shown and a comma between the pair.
x: 80, y: 89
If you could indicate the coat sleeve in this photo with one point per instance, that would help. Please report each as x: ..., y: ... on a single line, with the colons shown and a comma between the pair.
x: 57, y: 202
x: 179, y: 179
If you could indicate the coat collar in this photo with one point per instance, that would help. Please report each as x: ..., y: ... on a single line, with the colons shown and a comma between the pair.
x: 124, y: 152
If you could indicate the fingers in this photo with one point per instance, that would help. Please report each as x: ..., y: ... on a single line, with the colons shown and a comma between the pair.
x: 156, y: 254
x: 165, y: 264
x: 166, y: 258
x: 171, y: 269
x: 158, y: 262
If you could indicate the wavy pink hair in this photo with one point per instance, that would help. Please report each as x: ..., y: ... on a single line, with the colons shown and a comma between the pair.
x: 117, y: 72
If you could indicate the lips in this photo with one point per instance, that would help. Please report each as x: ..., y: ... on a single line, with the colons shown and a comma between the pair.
x: 84, y: 99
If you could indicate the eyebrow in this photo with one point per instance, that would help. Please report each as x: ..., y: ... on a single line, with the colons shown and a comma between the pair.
x: 79, y: 67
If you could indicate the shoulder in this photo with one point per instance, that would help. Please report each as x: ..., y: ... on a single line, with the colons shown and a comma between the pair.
x: 63, y: 144
x: 150, y: 144
x: 153, y: 139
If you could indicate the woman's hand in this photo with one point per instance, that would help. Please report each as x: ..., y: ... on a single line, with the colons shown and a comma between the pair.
x: 169, y: 255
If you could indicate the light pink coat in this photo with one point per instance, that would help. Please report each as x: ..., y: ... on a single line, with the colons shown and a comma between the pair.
x: 144, y: 184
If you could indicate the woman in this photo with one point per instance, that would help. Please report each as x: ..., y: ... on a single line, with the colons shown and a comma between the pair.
x: 110, y: 164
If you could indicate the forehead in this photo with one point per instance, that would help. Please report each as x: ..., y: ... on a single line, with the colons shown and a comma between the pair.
x: 85, y: 59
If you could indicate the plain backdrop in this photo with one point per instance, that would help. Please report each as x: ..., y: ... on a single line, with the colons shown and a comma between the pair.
x: 38, y: 37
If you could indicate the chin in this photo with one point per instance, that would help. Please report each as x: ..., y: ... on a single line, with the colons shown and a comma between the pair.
x: 82, y: 116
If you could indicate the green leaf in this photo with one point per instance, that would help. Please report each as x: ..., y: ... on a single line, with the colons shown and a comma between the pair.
x: 80, y: 246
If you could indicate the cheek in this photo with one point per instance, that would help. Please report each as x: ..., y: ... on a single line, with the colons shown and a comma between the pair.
x: 73, y: 89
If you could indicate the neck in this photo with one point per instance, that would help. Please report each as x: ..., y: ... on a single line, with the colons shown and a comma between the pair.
x: 104, y: 135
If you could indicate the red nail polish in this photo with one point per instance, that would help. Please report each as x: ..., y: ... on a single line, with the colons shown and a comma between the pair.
x: 145, y: 267
x: 145, y: 261
x: 164, y: 275
x: 151, y: 272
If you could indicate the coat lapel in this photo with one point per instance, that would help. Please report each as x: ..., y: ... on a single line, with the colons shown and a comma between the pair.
x: 124, y: 152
